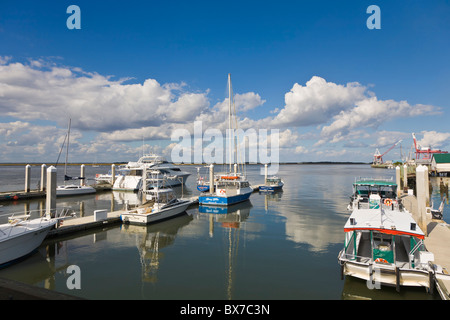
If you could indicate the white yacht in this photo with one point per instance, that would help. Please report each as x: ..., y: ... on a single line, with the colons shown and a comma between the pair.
x: 130, y: 175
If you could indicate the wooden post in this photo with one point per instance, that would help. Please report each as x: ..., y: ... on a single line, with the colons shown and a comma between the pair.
x: 421, y: 186
x: 27, y: 177
x: 82, y: 176
x: 265, y: 173
x: 211, y: 178
x: 43, y: 170
x: 397, y: 181
x: 405, y: 178
x: 50, y: 204
x: 113, y: 174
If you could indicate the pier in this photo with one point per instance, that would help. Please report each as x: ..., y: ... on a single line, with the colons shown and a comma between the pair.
x: 437, y: 232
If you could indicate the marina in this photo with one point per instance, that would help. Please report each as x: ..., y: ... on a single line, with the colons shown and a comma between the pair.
x: 299, y: 228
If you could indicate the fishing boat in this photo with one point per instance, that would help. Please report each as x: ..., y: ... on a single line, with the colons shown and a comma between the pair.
x: 22, y: 235
x: 383, y: 243
x: 231, y: 187
x: 161, y: 204
x: 272, y: 184
x: 129, y: 177
x: 71, y: 189
x: 364, y: 187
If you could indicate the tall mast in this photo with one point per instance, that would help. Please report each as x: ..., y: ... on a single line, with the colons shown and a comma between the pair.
x: 67, y: 150
x: 229, y: 121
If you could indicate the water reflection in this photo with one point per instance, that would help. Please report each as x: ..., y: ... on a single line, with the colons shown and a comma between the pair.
x: 151, y: 239
x: 231, y: 219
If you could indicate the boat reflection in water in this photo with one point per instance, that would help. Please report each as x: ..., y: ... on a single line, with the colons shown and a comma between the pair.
x: 230, y: 218
x: 151, y: 239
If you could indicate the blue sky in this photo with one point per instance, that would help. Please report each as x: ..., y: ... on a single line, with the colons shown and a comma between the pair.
x: 138, y: 70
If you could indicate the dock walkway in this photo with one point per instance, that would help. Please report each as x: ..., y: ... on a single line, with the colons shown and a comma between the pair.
x: 436, y: 241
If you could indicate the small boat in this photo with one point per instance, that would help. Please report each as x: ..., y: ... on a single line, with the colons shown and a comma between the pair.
x: 231, y: 187
x: 71, y: 189
x: 21, y: 235
x: 162, y: 204
x: 202, y: 182
x: 383, y: 243
x: 272, y: 184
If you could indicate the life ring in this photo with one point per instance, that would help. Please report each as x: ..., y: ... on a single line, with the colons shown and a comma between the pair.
x: 381, y: 260
x: 388, y: 202
x: 222, y: 191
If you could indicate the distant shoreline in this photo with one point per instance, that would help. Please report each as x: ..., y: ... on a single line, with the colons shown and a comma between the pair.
x: 180, y: 164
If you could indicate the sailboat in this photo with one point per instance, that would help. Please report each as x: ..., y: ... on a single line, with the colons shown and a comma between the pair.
x: 233, y: 186
x: 71, y: 189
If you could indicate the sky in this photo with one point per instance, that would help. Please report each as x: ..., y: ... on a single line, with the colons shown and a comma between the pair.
x: 136, y: 72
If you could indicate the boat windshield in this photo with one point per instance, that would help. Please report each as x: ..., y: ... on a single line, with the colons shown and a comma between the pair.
x: 385, y: 191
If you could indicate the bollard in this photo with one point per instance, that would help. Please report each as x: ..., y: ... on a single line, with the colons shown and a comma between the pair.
x: 43, y: 169
x: 27, y: 177
x: 50, y: 203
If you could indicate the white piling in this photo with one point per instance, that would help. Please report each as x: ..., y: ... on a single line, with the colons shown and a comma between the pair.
x: 211, y: 178
x: 82, y: 176
x: 265, y: 173
x: 43, y: 170
x: 27, y: 177
x: 405, y: 178
x: 427, y: 186
x: 397, y: 181
x: 113, y: 174
x: 421, y: 186
x: 50, y: 203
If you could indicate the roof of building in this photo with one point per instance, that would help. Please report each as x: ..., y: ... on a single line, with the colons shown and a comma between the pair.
x: 441, y: 157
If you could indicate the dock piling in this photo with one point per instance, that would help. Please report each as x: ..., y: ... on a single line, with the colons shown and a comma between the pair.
x: 82, y: 176
x: 113, y: 174
x: 50, y: 203
x: 397, y: 180
x: 43, y: 170
x: 211, y: 178
x: 27, y: 177
x: 405, y: 178
x: 422, y: 187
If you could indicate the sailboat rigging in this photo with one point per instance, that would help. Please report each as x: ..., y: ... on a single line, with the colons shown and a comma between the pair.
x: 72, y: 189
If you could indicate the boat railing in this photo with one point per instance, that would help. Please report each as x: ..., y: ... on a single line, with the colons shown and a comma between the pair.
x: 355, y: 258
x: 27, y: 221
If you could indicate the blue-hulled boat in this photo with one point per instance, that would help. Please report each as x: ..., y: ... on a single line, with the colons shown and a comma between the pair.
x: 272, y: 184
x: 229, y: 188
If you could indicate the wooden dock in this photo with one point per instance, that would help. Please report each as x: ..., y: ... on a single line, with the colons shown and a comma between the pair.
x: 436, y: 241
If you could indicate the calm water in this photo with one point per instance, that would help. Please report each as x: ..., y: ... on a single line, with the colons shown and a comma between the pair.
x: 281, y: 246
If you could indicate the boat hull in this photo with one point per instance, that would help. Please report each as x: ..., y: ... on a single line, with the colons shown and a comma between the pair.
x: 270, y: 188
x: 214, y: 200
x: 388, y: 275
x: 61, y: 191
x: 22, y: 244
x: 148, y: 218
